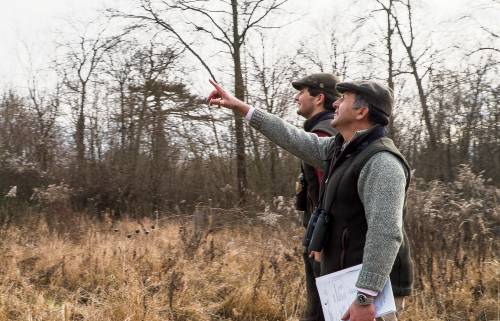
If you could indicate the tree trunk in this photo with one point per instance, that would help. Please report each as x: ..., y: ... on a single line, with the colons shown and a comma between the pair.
x: 423, y: 102
x: 239, y: 91
x: 390, y: 67
x: 80, y: 131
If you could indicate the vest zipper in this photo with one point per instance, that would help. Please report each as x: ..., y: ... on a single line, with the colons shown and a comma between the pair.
x: 344, y: 243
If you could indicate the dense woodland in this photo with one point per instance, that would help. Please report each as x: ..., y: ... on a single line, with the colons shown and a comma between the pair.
x: 122, y: 126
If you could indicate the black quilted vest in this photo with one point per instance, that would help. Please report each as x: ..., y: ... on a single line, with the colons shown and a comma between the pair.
x: 348, y: 225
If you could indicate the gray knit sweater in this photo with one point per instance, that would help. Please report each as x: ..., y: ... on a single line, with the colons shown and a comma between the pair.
x: 381, y: 187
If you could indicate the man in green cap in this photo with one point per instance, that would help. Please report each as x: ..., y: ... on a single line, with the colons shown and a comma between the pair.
x: 362, y: 199
x: 315, y: 97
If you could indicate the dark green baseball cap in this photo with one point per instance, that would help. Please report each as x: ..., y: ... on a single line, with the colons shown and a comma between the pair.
x: 323, y: 81
x: 377, y: 95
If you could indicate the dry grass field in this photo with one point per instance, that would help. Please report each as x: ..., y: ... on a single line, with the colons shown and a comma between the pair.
x: 227, y: 265
x: 172, y: 273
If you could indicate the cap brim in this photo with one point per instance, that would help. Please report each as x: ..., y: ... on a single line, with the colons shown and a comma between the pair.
x: 298, y: 85
x: 343, y: 87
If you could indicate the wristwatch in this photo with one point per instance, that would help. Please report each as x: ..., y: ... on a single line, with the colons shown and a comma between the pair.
x: 364, y: 299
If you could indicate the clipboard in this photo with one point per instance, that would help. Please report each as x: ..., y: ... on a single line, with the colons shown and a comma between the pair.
x: 337, y: 292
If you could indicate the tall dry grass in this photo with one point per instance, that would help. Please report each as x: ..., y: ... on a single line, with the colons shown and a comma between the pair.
x: 171, y: 273
x: 232, y: 265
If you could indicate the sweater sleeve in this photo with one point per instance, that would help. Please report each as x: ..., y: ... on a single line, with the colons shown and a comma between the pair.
x: 309, y: 147
x: 381, y: 186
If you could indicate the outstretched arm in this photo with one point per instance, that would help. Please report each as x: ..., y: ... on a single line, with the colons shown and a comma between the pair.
x: 307, y: 146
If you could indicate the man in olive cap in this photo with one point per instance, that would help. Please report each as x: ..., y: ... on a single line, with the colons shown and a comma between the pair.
x: 315, y: 97
x: 363, y: 195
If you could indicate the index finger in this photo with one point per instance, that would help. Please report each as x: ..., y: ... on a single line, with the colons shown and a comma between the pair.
x: 216, y: 85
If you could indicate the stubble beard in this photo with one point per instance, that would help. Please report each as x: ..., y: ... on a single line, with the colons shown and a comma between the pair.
x: 300, y: 112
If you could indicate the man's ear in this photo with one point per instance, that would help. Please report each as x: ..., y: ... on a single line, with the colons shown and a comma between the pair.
x: 362, y: 113
x: 320, y: 99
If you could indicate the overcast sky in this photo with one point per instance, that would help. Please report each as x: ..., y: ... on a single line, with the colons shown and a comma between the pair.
x: 32, y: 26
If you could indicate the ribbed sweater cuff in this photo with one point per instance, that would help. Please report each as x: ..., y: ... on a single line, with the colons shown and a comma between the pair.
x: 257, y: 118
x: 371, y: 281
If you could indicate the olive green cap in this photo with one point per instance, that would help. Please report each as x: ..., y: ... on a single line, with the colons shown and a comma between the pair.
x: 377, y: 95
x: 323, y: 81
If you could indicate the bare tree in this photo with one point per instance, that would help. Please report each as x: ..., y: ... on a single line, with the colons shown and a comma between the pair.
x: 118, y: 65
x: 15, y: 126
x: 228, y: 25
x: 271, y: 79
x: 80, y: 65
x: 329, y: 53
x: 387, y: 8
x: 46, y: 108
x: 408, y: 41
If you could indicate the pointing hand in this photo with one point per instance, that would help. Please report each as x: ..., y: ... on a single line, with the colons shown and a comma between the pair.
x: 220, y: 97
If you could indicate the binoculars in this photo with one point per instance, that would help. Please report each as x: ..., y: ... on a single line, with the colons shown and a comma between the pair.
x: 316, y: 234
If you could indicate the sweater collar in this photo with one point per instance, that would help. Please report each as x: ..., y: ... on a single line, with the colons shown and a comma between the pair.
x: 360, y: 140
x: 314, y: 120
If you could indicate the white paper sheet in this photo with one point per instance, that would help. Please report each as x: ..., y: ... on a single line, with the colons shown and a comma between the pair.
x: 337, y: 292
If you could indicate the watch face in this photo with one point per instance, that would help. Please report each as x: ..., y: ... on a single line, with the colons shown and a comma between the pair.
x: 362, y: 299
